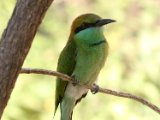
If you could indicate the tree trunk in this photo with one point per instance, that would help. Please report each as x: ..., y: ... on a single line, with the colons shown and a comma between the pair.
x: 16, y: 42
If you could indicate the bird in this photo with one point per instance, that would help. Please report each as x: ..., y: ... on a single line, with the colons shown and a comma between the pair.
x: 82, y: 58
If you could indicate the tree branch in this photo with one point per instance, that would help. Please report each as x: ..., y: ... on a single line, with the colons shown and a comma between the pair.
x: 101, y: 90
x: 16, y: 42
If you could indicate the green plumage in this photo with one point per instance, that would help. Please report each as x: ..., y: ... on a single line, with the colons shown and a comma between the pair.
x: 90, y: 58
x: 66, y: 64
x: 83, y: 57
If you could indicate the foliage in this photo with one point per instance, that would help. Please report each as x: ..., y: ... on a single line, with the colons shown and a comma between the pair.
x: 133, y: 63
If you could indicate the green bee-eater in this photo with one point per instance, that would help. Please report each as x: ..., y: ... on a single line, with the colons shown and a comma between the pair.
x: 83, y: 57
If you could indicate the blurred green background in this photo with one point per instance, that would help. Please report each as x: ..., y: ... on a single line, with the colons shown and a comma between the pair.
x: 133, y: 63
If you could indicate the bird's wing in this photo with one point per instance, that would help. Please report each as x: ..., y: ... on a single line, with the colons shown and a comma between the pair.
x: 66, y: 64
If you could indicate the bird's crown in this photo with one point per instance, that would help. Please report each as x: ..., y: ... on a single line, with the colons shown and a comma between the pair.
x: 84, y: 21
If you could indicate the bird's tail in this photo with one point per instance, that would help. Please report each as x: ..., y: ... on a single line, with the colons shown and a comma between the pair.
x: 67, y: 105
x: 55, y: 109
x: 54, y: 114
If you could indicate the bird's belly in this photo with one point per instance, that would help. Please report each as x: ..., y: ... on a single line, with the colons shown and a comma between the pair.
x: 75, y: 92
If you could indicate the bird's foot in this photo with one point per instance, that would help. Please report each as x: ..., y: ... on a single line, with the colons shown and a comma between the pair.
x: 75, y: 81
x: 95, y: 89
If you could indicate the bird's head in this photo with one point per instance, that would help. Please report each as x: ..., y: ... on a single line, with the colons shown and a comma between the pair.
x: 86, y: 21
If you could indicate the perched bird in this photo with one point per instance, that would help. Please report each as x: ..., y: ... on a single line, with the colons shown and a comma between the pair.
x: 82, y: 58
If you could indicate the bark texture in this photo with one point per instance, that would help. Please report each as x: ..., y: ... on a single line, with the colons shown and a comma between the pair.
x: 16, y: 42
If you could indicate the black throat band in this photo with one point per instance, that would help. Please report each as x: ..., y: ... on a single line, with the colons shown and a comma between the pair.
x: 97, y: 43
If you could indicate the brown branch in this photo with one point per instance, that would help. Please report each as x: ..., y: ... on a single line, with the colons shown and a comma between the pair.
x: 101, y: 90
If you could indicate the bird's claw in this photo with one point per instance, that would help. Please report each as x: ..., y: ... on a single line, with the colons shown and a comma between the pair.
x: 75, y: 81
x: 95, y: 89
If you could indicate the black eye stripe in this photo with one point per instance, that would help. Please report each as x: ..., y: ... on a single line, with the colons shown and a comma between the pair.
x: 84, y: 26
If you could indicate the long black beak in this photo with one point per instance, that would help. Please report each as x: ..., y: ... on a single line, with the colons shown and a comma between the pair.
x: 104, y: 22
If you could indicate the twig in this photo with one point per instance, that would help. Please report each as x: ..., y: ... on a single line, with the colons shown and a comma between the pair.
x: 101, y: 90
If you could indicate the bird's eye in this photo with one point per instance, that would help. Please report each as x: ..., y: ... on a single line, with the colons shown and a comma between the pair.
x: 97, y: 21
x: 84, y: 26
